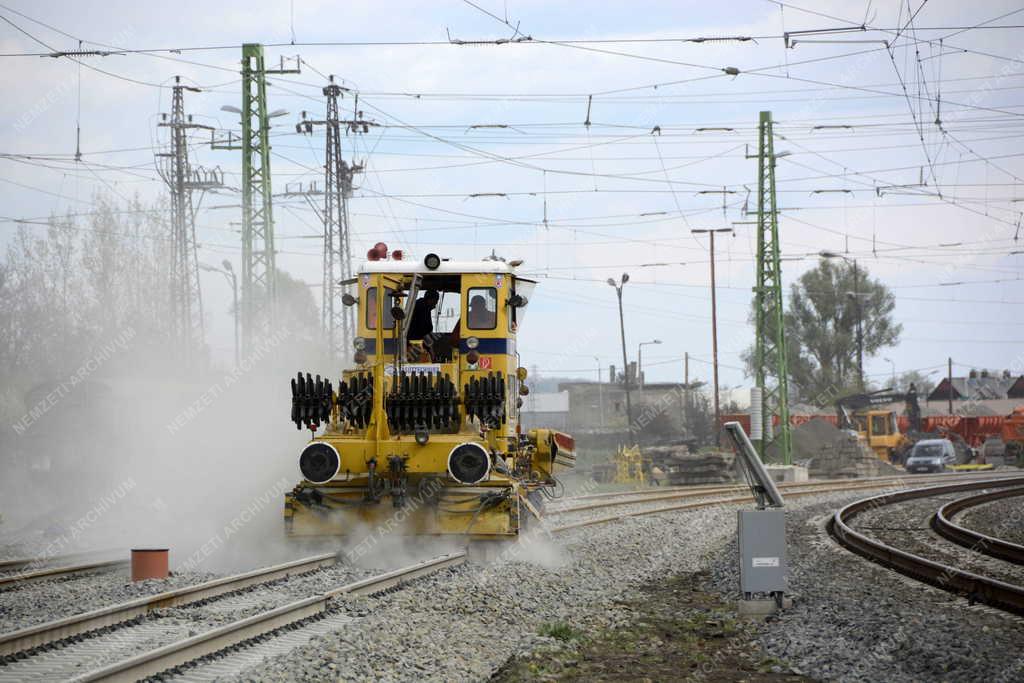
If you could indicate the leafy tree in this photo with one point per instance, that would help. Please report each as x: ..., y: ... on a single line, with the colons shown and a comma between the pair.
x: 923, y: 383
x: 821, y: 329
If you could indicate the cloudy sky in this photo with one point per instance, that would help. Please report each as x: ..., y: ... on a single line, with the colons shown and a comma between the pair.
x: 930, y: 208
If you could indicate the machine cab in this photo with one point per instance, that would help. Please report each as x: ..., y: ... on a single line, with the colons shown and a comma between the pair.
x: 455, y: 320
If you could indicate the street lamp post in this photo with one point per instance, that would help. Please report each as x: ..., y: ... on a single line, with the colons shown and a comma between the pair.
x: 893, y: 371
x: 714, y: 324
x: 860, y: 311
x: 625, y: 363
x: 640, y: 360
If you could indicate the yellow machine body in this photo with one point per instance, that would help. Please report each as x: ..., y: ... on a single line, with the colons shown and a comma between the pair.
x: 879, y: 429
x: 425, y: 434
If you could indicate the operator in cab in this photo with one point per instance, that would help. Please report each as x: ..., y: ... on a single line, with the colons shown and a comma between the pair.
x: 480, y: 318
x: 422, y: 323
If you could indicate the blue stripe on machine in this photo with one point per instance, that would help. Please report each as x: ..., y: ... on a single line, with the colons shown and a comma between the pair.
x: 371, y: 347
x: 499, y: 345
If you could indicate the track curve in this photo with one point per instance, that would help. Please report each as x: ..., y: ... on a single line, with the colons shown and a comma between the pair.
x: 974, y: 540
x: 975, y: 587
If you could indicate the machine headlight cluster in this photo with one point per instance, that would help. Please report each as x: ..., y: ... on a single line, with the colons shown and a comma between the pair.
x: 472, y: 343
x: 359, y: 343
x: 319, y: 462
x: 469, y: 463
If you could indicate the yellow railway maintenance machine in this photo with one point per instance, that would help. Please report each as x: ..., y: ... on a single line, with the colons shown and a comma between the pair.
x: 426, y: 430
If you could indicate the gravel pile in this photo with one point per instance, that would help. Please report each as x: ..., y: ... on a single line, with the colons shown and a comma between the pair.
x: 856, y: 621
x: 808, y: 439
x: 1001, y: 518
x: 464, y: 624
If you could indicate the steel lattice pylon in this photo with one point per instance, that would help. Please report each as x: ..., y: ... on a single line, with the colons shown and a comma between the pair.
x: 259, y: 291
x: 770, y: 367
x: 185, y: 304
x: 338, y: 319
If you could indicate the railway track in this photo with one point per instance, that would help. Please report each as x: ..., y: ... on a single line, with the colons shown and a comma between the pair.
x: 19, y: 564
x: 80, y: 641
x: 617, y: 498
x: 974, y: 540
x: 792, y: 490
x: 41, y: 635
x: 976, y: 587
x: 17, y: 577
x: 213, y: 652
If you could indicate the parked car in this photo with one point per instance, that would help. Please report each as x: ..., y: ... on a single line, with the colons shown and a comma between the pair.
x: 931, y: 455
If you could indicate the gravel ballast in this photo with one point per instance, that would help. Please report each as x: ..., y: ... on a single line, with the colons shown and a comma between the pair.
x: 464, y: 624
x: 853, y: 620
x: 41, y: 601
x: 1001, y: 518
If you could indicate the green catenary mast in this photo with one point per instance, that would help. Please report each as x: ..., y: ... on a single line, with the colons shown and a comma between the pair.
x: 258, y: 263
x: 770, y: 369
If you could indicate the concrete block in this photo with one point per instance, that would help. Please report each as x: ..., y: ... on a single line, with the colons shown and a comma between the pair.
x: 761, y: 608
x: 787, y: 473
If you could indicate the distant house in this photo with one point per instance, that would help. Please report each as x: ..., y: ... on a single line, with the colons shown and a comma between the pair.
x: 550, y: 410
x: 978, y: 387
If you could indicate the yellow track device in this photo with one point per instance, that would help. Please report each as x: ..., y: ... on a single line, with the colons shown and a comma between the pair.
x: 422, y: 434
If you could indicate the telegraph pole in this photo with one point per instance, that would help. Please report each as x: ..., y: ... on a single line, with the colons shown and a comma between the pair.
x: 949, y: 385
x: 714, y: 325
x: 186, y: 303
x: 770, y: 360
x: 337, y: 319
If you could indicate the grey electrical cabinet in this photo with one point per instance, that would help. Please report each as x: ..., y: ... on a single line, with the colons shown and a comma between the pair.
x: 762, y: 546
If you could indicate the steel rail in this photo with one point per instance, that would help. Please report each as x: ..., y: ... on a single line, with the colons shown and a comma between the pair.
x: 975, y: 587
x: 18, y: 578
x: 184, y: 651
x: 21, y: 562
x: 974, y: 540
x: 53, y: 631
x: 678, y: 492
x: 807, y: 491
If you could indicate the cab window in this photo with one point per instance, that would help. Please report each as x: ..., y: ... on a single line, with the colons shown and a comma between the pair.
x: 878, y: 424
x: 371, y: 309
x: 482, y: 308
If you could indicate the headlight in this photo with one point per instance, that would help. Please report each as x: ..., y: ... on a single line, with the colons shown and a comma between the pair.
x: 472, y: 342
x: 469, y: 463
x: 359, y: 343
x: 319, y: 462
